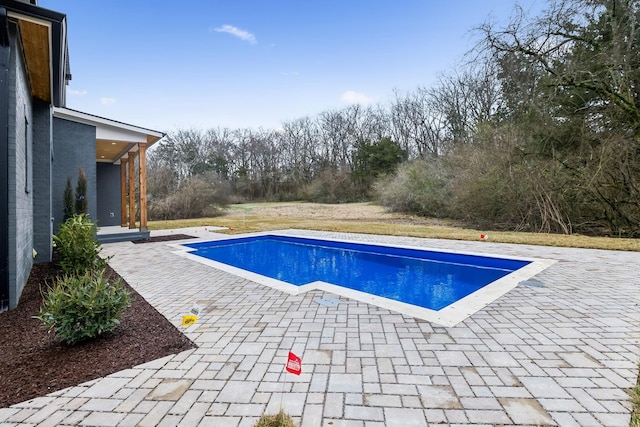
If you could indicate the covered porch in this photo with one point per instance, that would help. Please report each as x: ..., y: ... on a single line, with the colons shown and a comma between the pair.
x: 121, y: 177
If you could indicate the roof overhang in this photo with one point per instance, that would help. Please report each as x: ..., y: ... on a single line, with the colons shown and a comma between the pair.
x: 43, y: 34
x: 114, y: 139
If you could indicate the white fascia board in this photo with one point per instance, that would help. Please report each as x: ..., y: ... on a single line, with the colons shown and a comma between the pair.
x: 116, y: 134
x: 110, y: 127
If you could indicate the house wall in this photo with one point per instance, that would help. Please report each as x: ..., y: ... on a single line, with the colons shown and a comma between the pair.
x: 5, y: 56
x: 108, y: 186
x: 20, y: 168
x: 43, y: 149
x: 74, y: 147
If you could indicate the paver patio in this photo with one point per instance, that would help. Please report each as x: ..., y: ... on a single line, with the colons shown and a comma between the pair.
x: 562, y: 354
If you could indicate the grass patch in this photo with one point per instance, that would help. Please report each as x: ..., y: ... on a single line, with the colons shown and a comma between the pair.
x: 635, y: 400
x: 279, y: 420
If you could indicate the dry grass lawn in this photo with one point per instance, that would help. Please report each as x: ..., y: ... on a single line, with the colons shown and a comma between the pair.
x: 372, y: 219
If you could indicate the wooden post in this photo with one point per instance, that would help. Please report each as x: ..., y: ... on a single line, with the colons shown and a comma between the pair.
x: 123, y: 192
x: 142, y: 176
x: 132, y: 190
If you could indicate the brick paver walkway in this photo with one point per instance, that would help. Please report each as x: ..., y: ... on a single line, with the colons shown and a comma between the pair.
x: 562, y: 354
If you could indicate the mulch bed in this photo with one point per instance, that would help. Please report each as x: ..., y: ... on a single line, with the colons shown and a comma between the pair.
x: 167, y: 238
x: 33, y: 363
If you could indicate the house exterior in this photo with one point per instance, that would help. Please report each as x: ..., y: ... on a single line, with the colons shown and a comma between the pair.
x: 42, y: 143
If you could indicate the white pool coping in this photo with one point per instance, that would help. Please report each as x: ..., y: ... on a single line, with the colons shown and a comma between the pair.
x: 448, y: 316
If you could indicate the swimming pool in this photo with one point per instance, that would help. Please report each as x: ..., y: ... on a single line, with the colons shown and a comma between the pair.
x: 410, y: 279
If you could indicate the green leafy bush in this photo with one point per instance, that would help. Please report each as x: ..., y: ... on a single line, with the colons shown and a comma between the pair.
x: 78, y: 308
x: 77, y: 247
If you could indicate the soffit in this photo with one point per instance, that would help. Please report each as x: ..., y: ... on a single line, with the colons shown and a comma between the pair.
x: 112, y: 151
x: 35, y: 41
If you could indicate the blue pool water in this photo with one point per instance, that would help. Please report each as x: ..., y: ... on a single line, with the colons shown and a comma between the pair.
x: 425, y: 278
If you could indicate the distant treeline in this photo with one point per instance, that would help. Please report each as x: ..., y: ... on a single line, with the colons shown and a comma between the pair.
x: 539, y: 131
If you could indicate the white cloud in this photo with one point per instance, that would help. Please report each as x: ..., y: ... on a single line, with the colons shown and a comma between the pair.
x: 237, y: 32
x: 74, y: 92
x: 353, y: 97
x: 107, y: 101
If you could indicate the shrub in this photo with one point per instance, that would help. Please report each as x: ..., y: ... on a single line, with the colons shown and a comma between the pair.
x: 200, y: 196
x: 499, y: 185
x: 78, y: 308
x: 81, y: 193
x: 69, y: 201
x: 77, y: 246
x: 420, y: 187
x: 331, y: 186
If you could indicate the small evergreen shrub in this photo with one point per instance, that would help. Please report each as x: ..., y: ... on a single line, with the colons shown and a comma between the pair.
x: 69, y: 201
x: 78, y: 308
x: 81, y: 193
x: 77, y: 247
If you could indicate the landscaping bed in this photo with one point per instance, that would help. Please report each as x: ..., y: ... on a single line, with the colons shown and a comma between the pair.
x: 33, y: 363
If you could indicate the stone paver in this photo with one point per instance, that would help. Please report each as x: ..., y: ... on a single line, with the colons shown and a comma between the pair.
x: 561, y: 354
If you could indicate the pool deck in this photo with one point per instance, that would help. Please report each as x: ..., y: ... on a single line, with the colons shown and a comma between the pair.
x: 561, y: 354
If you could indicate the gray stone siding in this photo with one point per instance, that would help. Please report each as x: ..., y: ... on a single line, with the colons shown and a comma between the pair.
x: 20, y: 184
x: 108, y: 194
x: 74, y: 147
x: 43, y: 150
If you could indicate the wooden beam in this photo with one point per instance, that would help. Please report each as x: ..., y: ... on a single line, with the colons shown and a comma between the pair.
x: 142, y: 176
x: 123, y: 192
x: 132, y: 190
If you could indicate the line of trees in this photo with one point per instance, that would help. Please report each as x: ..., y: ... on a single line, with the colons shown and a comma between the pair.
x: 539, y: 131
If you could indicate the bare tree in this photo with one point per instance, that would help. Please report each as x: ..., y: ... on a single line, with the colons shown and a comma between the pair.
x: 300, y: 144
x: 465, y: 100
x: 415, y: 125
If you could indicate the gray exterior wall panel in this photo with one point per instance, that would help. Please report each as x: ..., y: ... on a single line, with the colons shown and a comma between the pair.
x: 74, y: 147
x: 20, y: 155
x: 42, y: 148
x: 5, y: 54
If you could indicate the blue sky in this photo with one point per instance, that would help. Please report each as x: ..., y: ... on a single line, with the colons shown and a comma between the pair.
x: 238, y: 63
